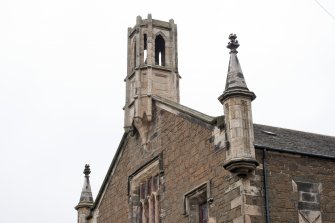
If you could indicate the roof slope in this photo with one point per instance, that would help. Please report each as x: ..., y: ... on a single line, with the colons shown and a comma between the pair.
x: 295, y: 141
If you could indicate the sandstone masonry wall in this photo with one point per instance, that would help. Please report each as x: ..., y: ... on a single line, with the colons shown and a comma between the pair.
x: 189, y: 160
x: 285, y: 172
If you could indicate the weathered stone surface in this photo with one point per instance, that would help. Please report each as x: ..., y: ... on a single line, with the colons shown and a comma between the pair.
x: 284, y: 194
x: 182, y: 149
x: 151, y: 70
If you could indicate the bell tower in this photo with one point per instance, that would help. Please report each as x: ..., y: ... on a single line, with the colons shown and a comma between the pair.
x: 152, y: 69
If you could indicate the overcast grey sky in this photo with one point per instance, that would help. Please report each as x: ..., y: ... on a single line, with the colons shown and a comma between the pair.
x: 62, y: 65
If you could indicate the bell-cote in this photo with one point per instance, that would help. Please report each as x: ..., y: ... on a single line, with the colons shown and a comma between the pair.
x: 152, y: 68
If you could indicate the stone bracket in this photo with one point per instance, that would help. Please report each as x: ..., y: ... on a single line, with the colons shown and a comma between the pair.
x: 143, y: 126
x: 242, y: 166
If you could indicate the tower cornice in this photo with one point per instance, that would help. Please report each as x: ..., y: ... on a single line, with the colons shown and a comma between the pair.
x: 236, y: 92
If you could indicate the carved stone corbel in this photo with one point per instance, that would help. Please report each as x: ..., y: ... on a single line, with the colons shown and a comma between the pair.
x: 143, y: 125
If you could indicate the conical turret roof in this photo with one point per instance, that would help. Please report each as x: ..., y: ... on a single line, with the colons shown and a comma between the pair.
x: 235, y: 83
x: 86, y: 197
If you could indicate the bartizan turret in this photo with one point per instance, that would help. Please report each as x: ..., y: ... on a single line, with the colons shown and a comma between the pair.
x: 236, y: 100
x: 152, y: 70
x: 86, y: 198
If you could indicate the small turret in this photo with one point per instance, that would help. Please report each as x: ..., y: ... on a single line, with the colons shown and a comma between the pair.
x: 86, y: 198
x: 236, y: 100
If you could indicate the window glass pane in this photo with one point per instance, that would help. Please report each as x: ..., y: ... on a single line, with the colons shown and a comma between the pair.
x: 203, y: 213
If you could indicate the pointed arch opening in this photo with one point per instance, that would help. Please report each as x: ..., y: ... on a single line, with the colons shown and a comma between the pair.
x: 159, y: 50
x: 145, y: 215
x: 134, y: 55
x: 144, y: 187
x: 153, y: 210
x: 145, y: 49
x: 140, y: 213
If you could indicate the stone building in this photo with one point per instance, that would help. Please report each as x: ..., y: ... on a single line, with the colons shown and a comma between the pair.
x: 175, y: 164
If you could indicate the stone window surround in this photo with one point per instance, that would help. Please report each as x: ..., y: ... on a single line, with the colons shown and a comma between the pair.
x: 160, y: 46
x: 150, y: 166
x: 308, y: 200
x: 145, y: 201
x: 195, y: 197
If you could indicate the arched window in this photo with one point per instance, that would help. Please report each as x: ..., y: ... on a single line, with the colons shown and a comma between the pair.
x: 145, y: 48
x: 145, y: 214
x: 160, y: 51
x: 134, y: 55
x: 148, y: 204
x: 140, y: 213
x: 144, y: 187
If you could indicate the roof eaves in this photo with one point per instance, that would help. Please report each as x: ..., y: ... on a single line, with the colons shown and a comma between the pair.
x: 294, y: 141
x: 293, y: 151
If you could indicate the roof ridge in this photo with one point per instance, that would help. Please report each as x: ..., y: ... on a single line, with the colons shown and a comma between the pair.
x: 295, y: 130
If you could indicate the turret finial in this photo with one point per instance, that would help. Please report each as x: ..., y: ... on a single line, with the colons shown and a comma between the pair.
x: 87, y: 170
x: 235, y: 83
x: 233, y: 44
x: 86, y: 197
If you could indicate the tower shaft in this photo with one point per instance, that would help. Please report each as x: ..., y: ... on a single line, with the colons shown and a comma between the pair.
x: 152, y: 70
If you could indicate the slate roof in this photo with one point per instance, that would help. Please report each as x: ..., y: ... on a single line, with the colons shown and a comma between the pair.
x: 296, y: 141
